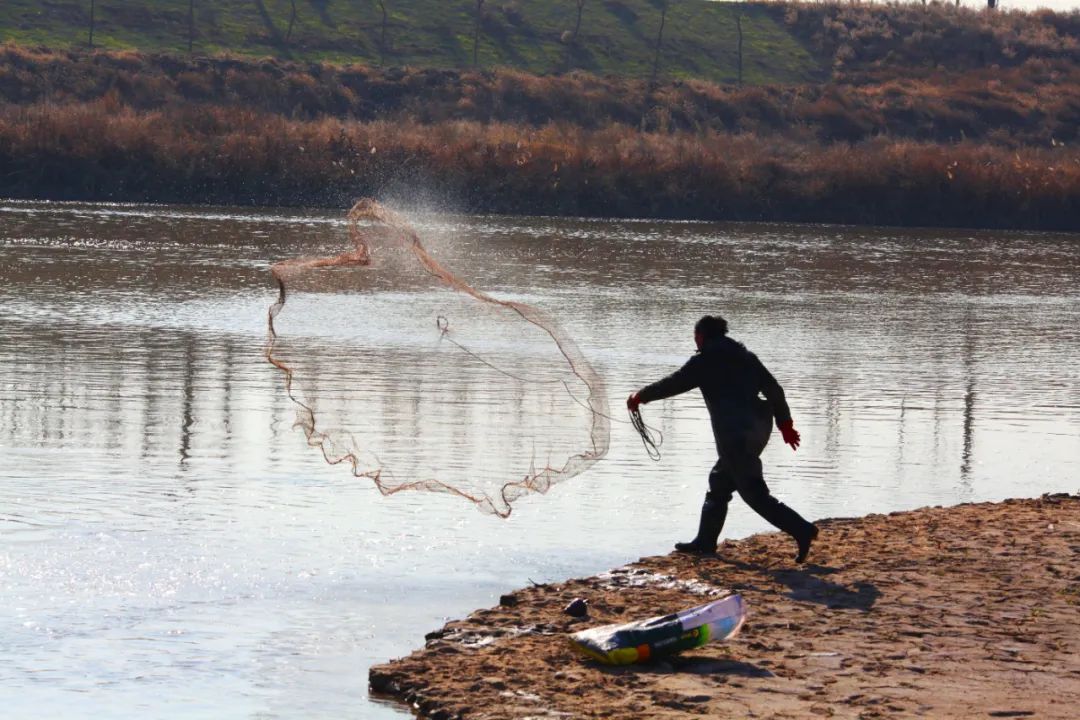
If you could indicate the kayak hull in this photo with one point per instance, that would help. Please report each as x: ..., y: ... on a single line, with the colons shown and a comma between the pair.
x: 663, y: 635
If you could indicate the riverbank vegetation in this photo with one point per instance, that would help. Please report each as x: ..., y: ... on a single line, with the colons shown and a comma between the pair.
x: 102, y: 150
x: 895, y: 137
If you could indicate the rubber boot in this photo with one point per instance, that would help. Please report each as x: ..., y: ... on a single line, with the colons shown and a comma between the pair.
x: 804, y: 539
x: 709, y: 527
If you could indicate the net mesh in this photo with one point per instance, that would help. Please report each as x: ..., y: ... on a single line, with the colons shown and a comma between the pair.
x: 415, y: 380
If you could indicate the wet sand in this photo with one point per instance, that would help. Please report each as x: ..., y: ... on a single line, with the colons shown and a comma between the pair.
x: 961, y: 612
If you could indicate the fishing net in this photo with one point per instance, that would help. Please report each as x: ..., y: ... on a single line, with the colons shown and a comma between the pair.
x: 415, y: 380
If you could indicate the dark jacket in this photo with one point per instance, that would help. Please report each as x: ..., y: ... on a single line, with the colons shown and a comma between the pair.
x: 730, y: 378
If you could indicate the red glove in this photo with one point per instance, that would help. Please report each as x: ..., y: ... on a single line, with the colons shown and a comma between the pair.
x: 790, y: 434
x: 633, y: 401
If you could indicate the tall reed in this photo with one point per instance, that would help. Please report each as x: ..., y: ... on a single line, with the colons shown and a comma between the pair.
x: 105, y: 150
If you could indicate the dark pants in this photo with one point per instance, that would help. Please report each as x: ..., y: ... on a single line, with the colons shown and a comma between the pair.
x: 739, y: 471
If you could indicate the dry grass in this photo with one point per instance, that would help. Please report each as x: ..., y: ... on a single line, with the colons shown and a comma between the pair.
x: 1030, y: 104
x: 105, y: 150
x: 914, y: 39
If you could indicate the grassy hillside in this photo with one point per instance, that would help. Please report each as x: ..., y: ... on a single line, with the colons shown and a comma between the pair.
x: 616, y: 36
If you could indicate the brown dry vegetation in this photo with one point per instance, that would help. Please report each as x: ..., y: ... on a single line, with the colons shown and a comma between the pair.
x: 862, y: 40
x: 1033, y: 103
x: 897, y: 138
x: 102, y: 149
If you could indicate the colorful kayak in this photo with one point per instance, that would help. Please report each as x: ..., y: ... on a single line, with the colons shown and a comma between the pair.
x: 646, y: 639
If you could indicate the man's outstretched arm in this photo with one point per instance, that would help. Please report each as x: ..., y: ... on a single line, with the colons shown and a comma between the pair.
x: 682, y: 380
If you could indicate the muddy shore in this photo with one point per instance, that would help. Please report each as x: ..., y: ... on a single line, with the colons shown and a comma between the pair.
x: 960, y: 612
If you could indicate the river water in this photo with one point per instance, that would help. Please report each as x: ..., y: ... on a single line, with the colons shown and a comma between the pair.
x: 171, y: 547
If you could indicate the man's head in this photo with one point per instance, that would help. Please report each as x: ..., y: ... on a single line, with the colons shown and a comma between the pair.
x: 709, y: 328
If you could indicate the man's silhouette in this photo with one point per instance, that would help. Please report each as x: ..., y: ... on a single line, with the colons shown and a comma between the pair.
x: 730, y: 378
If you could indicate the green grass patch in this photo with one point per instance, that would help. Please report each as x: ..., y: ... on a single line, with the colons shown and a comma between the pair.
x: 617, y: 36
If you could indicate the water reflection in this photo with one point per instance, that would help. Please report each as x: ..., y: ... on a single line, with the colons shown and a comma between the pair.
x: 156, y: 504
x: 969, y: 407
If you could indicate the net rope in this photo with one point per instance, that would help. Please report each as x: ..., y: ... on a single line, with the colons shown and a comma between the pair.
x: 370, y: 223
x: 651, y: 438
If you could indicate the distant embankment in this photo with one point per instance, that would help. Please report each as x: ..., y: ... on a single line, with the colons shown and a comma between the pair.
x: 1035, y: 103
x: 689, y: 38
x: 896, y: 137
x: 757, y: 42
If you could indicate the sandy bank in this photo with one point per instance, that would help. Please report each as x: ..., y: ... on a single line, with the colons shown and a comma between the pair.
x: 968, y: 611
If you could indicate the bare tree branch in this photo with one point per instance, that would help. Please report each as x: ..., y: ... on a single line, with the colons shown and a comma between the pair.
x: 476, y: 31
x: 190, y: 25
x: 738, y: 30
x: 577, y: 25
x: 292, y: 19
x: 659, y: 40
